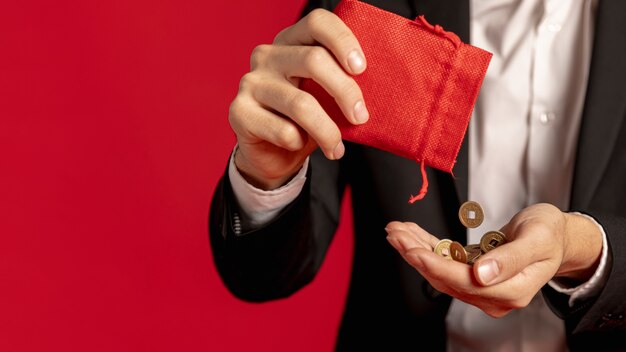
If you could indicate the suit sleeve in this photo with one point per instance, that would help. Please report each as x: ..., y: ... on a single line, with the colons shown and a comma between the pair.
x: 282, y: 256
x: 279, y: 258
x: 605, y: 313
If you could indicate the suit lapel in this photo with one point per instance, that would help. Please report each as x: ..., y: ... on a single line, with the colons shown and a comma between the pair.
x: 605, y: 101
x: 454, y: 16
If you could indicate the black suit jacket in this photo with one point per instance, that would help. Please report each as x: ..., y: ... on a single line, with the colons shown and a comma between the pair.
x: 389, y: 304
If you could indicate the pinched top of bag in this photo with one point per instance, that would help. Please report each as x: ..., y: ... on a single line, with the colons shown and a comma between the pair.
x: 420, y: 86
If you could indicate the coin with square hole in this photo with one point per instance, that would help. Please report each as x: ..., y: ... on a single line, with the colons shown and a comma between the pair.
x: 471, y: 214
x: 458, y: 253
x: 491, y: 240
x: 442, y: 248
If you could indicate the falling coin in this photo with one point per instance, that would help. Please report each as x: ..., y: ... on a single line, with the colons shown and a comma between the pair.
x: 471, y: 214
x: 458, y: 253
x: 442, y: 248
x: 491, y: 240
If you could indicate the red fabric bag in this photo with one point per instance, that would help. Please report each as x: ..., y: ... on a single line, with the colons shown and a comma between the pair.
x: 420, y: 87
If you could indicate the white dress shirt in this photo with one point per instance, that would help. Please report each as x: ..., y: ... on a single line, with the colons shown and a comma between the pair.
x: 523, y: 143
x: 522, y: 147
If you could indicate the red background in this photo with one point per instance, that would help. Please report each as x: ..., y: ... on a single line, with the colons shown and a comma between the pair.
x: 113, y: 134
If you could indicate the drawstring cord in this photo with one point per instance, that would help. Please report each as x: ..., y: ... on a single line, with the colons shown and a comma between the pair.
x: 424, y: 188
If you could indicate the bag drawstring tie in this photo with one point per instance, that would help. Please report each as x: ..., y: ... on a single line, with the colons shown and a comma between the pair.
x: 424, y: 188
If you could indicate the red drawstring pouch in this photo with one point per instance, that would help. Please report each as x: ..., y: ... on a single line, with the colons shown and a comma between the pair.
x: 420, y: 87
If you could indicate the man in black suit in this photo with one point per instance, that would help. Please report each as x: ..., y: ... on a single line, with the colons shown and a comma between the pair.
x: 391, y: 304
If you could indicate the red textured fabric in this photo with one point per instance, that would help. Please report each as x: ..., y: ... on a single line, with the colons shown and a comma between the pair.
x: 420, y: 85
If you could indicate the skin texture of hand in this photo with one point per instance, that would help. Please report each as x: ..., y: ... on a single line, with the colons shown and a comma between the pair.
x: 277, y: 124
x: 543, y: 243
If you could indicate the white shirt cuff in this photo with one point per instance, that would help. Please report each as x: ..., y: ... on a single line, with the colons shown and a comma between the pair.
x: 597, y: 280
x: 258, y: 206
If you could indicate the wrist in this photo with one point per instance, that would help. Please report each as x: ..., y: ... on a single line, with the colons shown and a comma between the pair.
x: 254, y: 178
x: 582, y: 248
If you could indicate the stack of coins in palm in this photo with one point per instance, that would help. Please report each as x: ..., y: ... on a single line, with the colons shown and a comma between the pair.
x: 471, y: 215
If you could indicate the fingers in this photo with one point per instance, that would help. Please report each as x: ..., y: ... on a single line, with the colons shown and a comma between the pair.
x: 407, y: 235
x: 325, y: 28
x: 503, y: 263
x: 532, y: 242
x: 415, y: 230
x: 247, y: 117
x: 317, y: 63
x: 403, y: 241
x: 457, y: 280
x: 305, y: 111
x: 277, y: 124
x: 439, y: 269
x: 320, y: 47
x: 503, y: 279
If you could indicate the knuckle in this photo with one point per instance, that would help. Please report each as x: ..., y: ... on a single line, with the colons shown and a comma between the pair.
x: 236, y: 112
x: 412, y: 227
x: 539, y: 227
x: 320, y: 22
x: 259, y: 55
x: 315, y: 58
x: 543, y: 236
x: 316, y: 16
x: 288, y: 136
x: 305, y: 107
x: 247, y: 81
x: 301, y: 103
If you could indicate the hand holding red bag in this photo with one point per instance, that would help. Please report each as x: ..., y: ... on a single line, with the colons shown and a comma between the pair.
x: 420, y: 87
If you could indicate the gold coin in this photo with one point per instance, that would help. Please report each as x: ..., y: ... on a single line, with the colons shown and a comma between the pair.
x: 473, y: 252
x: 471, y: 248
x: 442, y: 248
x: 491, y: 240
x: 473, y: 257
x: 471, y: 214
x: 471, y: 261
x: 458, y: 253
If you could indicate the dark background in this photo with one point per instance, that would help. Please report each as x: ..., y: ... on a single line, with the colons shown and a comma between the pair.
x: 113, y: 134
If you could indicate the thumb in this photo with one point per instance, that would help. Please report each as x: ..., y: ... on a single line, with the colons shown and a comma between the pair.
x: 507, y: 260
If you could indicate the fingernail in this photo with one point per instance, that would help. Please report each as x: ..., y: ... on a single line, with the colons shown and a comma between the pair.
x: 356, y: 61
x: 361, y: 115
x: 393, y: 226
x: 488, y: 271
x: 340, y: 149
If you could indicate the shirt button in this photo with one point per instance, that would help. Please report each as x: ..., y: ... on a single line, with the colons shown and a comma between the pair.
x: 546, y: 118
